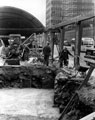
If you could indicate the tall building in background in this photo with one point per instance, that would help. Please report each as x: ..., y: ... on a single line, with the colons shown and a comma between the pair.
x: 60, y: 10
x: 53, y: 12
x: 74, y: 8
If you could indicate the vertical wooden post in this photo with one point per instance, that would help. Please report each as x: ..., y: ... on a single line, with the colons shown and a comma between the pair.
x: 94, y: 30
x: 45, y: 38
x: 78, y: 38
x: 61, y: 44
x: 52, y: 45
x: 62, y: 35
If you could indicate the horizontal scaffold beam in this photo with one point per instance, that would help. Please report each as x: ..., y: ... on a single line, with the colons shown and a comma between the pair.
x: 73, y: 20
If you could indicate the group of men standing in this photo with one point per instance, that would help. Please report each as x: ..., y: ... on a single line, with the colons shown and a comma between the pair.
x: 63, y: 55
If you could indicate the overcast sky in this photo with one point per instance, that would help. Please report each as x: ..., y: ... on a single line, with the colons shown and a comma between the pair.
x: 36, y: 7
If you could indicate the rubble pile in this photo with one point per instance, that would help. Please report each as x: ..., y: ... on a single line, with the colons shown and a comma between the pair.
x: 36, y: 76
x: 66, y: 87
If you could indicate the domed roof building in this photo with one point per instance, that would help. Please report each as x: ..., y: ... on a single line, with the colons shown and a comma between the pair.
x: 17, y: 21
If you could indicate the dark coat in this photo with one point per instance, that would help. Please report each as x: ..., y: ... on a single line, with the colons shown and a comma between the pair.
x: 64, y: 54
x: 46, y: 50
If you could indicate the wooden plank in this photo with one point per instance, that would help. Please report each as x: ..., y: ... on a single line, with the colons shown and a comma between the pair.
x: 74, y: 96
x: 89, y: 117
x: 73, y: 20
x: 94, y: 30
x: 52, y: 45
x: 62, y: 35
x: 78, y: 38
x: 90, y: 61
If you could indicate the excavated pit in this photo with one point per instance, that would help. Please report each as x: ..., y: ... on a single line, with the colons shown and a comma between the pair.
x: 27, y: 92
x: 82, y: 104
x: 29, y: 76
x: 21, y: 103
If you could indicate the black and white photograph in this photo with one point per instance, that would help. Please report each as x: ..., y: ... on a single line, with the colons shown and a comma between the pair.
x: 47, y: 59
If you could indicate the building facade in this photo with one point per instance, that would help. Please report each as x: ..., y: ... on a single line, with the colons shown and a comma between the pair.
x: 74, y: 8
x: 53, y: 12
x: 61, y: 10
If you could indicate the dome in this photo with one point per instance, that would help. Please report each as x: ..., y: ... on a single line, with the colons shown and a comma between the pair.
x: 17, y: 21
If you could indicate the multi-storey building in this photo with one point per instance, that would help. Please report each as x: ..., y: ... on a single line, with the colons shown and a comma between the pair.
x: 60, y: 10
x: 74, y: 8
x: 53, y: 12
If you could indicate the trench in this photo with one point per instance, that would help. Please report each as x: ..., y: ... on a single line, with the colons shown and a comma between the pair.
x: 27, y: 93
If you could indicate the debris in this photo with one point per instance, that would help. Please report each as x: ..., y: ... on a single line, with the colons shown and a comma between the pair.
x: 37, y: 76
x: 65, y: 87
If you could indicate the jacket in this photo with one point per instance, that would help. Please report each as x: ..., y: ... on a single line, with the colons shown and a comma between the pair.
x: 64, y: 54
x: 46, y: 50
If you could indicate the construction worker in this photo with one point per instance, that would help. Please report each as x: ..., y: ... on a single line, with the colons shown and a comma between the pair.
x: 64, y: 57
x: 46, y: 52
